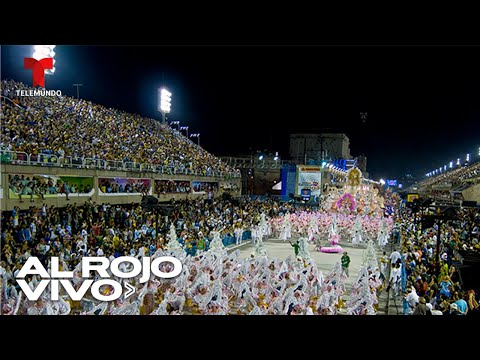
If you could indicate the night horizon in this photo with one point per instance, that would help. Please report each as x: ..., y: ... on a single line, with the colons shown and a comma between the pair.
x: 243, y: 99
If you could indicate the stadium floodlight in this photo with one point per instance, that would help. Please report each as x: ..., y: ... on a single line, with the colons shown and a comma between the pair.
x: 451, y: 164
x: 445, y: 167
x: 260, y: 157
x: 165, y: 102
x: 382, y: 181
x: 324, y: 163
x: 42, y: 52
x: 197, y: 135
x: 468, y: 157
x: 458, y: 161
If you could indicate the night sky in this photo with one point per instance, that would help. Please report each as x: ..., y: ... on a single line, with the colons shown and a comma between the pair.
x: 422, y: 102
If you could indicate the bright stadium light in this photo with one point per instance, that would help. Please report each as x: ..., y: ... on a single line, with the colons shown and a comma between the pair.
x: 445, y: 167
x: 458, y: 161
x: 382, y: 181
x: 42, y: 52
x: 260, y: 157
x: 165, y: 102
x: 468, y: 157
x: 451, y: 164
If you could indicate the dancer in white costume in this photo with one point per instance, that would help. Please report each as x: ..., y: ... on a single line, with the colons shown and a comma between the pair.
x: 217, y: 245
x: 259, y: 246
x: 382, y: 238
x: 357, y: 234
x: 238, y: 234
x: 357, y: 238
x: 286, y: 232
x: 264, y: 225
x: 173, y: 244
x: 303, y: 250
x: 333, y: 226
x: 312, y: 227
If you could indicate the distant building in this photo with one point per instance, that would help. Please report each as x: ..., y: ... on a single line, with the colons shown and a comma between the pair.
x: 307, y: 148
x: 362, y: 163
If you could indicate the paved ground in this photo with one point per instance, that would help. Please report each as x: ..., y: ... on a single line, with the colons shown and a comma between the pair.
x: 282, y: 249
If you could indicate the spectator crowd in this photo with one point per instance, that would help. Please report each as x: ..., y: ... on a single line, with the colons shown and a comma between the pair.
x: 62, y: 126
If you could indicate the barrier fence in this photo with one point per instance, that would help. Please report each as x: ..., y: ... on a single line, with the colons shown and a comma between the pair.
x: 53, y: 160
x: 227, y: 240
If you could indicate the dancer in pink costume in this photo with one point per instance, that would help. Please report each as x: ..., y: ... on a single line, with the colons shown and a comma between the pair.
x: 334, y: 238
x: 334, y: 248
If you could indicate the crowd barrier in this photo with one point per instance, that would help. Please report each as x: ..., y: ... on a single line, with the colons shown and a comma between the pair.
x: 53, y: 160
x: 227, y: 240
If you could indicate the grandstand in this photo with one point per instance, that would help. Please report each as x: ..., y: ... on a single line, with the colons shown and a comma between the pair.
x: 461, y: 183
x: 60, y: 132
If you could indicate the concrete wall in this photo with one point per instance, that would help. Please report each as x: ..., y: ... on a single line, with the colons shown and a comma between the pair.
x: 8, y: 203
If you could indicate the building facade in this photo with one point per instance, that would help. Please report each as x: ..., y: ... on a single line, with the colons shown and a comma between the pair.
x: 308, y: 148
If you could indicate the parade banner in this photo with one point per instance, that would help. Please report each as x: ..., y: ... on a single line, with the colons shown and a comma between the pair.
x: 309, y: 177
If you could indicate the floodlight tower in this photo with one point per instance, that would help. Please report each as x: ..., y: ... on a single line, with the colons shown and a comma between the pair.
x: 165, y: 102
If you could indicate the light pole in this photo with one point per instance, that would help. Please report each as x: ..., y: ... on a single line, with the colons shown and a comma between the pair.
x: 78, y: 90
x: 197, y: 135
x: 184, y: 128
x: 165, y: 102
x: 175, y: 123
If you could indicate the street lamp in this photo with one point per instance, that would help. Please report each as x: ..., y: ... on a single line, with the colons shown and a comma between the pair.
x: 165, y: 102
x: 197, y: 135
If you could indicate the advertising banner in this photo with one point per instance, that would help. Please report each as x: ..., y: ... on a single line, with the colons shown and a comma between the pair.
x: 309, y: 177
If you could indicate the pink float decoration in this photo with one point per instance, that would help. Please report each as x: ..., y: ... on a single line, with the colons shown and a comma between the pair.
x: 335, y: 248
x: 331, y: 249
x: 349, y: 200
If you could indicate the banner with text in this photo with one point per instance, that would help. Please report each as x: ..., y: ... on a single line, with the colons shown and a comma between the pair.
x: 309, y: 178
